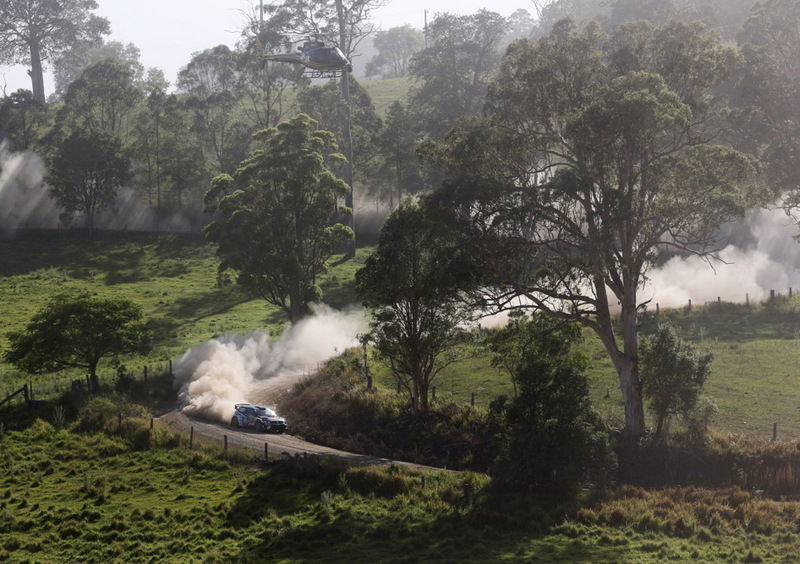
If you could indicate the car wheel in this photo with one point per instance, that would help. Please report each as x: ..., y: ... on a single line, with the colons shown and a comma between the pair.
x: 234, y: 421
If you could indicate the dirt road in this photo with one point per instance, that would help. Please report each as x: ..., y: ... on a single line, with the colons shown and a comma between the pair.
x: 279, y: 445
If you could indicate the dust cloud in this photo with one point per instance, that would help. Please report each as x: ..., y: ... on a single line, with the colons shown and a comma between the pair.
x: 214, y: 376
x: 761, y: 254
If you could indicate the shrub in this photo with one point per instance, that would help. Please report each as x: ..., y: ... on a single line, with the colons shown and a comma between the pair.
x: 672, y: 373
x: 551, y: 436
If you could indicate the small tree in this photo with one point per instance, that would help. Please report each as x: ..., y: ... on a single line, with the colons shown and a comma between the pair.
x: 86, y: 173
x: 77, y: 331
x: 554, y: 439
x: 275, y: 219
x: 673, y: 374
x: 417, y: 316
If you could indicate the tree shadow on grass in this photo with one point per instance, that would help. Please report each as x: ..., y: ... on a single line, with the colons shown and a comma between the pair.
x: 307, y: 516
x: 207, y: 304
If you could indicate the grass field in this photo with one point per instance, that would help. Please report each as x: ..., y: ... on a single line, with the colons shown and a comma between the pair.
x: 174, y: 279
x: 97, y: 495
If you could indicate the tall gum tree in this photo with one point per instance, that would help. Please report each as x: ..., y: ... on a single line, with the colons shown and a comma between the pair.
x: 274, y: 219
x: 33, y: 31
x: 595, y: 153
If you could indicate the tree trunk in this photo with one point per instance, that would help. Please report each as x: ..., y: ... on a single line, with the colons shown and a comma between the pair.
x: 347, y: 136
x: 631, y: 387
x: 93, y: 379
x: 36, y: 73
x: 626, y: 363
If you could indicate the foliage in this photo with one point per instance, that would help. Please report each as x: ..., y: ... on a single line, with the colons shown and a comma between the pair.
x: 265, y: 85
x: 453, y: 72
x: 71, y: 64
x: 335, y: 409
x: 210, y: 80
x: 78, y: 331
x: 344, y: 22
x: 102, y: 99
x: 594, y: 153
x: 33, y: 31
x: 395, y: 48
x: 672, y: 373
x: 724, y: 16
x: 417, y: 315
x: 397, y: 167
x: 769, y: 92
x: 324, y: 104
x: 553, y: 439
x: 22, y: 120
x: 86, y: 172
x: 274, y: 220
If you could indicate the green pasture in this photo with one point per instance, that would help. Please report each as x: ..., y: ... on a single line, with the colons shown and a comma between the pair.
x: 754, y: 377
x: 77, y: 494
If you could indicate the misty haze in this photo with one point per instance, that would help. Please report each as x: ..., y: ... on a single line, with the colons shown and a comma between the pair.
x: 382, y: 281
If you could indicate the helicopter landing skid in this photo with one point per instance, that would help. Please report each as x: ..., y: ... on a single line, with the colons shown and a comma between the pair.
x: 322, y: 74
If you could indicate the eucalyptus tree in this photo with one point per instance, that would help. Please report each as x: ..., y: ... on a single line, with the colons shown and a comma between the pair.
x: 35, y: 31
x: 274, y: 219
x: 597, y: 151
x: 23, y: 120
x: 395, y: 48
x: 86, y: 172
x: 211, y: 81
x: 769, y: 92
x: 102, y: 99
x: 345, y: 23
x: 263, y: 85
x: 324, y: 104
x: 397, y: 169
x: 417, y: 319
x: 70, y: 64
x: 452, y: 73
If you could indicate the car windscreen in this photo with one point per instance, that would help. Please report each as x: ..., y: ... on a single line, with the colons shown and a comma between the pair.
x: 264, y: 412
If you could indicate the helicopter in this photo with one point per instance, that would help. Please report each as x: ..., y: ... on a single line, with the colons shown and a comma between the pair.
x: 319, y: 60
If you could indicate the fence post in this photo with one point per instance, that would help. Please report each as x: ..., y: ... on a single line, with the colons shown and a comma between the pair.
x: 658, y: 309
x: 774, y: 432
x: 145, y: 373
x: 790, y: 292
x: 152, y: 421
x: 719, y: 300
x: 747, y: 300
x: 266, y: 452
x: 772, y: 294
x: 225, y: 444
x: 191, y: 437
x: 472, y: 400
x: 170, y: 367
x: 690, y: 305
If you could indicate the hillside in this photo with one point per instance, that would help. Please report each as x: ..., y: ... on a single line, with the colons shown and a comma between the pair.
x: 99, y: 491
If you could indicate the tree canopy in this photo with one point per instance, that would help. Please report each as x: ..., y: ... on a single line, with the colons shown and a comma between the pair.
x: 417, y: 319
x: 86, y: 172
x: 34, y: 31
x: 596, y: 152
x: 274, y: 220
x: 77, y: 331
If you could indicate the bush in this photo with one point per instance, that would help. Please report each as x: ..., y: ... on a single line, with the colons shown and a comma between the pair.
x: 673, y: 375
x: 552, y: 438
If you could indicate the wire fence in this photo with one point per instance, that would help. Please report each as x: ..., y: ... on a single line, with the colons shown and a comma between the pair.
x: 48, y: 386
